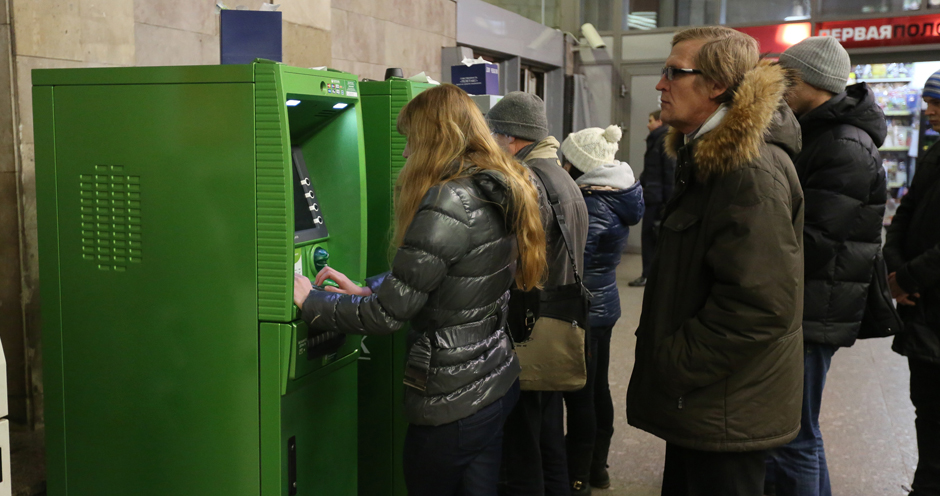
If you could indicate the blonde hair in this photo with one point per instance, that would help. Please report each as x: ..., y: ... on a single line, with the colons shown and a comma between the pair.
x: 724, y: 58
x: 448, y: 139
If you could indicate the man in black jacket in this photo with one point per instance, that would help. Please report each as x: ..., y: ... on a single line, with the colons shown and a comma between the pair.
x: 657, y: 178
x: 912, y: 253
x: 844, y: 186
x: 534, y: 461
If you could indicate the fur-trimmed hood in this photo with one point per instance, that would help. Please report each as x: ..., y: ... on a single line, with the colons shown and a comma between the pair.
x: 758, y: 115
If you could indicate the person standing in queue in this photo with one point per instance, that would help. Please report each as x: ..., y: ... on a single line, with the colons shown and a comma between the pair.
x: 533, y: 449
x: 719, y: 349
x: 467, y: 225
x: 912, y: 253
x: 657, y: 178
x: 844, y: 185
x: 614, y: 202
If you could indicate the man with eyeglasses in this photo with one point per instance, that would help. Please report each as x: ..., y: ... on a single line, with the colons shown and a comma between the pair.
x: 719, y: 351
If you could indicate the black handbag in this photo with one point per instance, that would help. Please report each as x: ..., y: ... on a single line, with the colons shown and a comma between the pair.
x: 881, y: 317
x: 549, y: 326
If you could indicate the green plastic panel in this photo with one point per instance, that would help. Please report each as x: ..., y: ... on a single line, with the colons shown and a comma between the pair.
x: 144, y: 75
x: 314, y: 408
x: 47, y: 213
x: 159, y: 326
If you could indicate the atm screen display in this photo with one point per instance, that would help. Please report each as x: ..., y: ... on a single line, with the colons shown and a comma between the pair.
x: 308, y: 217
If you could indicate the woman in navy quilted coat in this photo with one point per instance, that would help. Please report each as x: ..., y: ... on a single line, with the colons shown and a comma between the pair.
x: 615, y: 202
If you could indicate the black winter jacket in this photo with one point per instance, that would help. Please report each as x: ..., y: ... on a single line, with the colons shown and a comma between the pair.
x: 659, y: 169
x: 844, y: 188
x: 450, y: 278
x: 611, y: 213
x: 912, y: 250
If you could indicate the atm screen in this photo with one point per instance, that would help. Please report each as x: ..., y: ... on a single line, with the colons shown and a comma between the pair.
x: 308, y: 218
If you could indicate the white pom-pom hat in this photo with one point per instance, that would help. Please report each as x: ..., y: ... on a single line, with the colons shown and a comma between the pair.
x: 593, y: 147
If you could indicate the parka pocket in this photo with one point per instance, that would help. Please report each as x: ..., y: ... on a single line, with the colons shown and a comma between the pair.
x: 681, y: 220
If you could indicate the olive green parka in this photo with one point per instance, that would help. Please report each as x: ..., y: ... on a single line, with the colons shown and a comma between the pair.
x: 719, y: 352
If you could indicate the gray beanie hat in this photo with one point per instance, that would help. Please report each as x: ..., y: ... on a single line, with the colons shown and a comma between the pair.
x: 521, y: 115
x: 821, y: 61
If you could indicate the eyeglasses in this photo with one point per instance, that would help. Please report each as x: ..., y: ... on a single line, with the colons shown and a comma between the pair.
x: 670, y: 72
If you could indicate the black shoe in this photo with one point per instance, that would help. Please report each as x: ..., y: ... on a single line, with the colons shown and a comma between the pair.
x: 600, y: 478
x: 579, y: 488
x: 638, y: 282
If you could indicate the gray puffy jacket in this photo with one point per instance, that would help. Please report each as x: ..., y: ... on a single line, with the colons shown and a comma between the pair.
x: 450, y: 279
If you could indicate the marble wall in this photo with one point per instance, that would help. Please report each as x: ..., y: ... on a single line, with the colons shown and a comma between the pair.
x: 11, y: 311
x: 372, y: 35
x: 360, y: 36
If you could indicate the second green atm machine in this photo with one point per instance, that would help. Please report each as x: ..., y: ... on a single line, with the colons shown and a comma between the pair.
x: 175, y: 205
x: 382, y: 364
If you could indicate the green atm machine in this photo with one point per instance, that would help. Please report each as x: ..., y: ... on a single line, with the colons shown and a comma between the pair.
x: 382, y: 423
x: 175, y: 205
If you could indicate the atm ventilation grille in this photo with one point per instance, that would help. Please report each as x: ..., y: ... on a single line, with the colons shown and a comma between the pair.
x: 275, y: 208
x: 111, y: 220
x: 400, y: 97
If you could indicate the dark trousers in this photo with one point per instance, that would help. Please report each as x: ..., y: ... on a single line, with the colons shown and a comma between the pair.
x: 534, y: 447
x: 799, y: 468
x: 925, y: 395
x: 691, y: 472
x: 649, y: 236
x: 603, y: 403
x: 461, y: 458
x: 591, y: 412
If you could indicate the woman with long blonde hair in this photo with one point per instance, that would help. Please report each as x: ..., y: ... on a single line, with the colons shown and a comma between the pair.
x: 467, y: 226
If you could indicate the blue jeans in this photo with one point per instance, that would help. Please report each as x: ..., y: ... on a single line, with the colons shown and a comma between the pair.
x: 799, y: 468
x: 461, y: 458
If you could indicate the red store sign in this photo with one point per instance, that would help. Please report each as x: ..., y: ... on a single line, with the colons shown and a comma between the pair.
x: 890, y: 31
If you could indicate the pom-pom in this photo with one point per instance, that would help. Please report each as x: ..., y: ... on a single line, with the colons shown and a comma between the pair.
x: 613, y: 133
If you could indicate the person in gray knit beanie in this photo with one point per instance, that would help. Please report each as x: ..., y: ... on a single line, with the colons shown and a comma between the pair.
x: 520, y: 115
x: 821, y: 62
x: 843, y: 182
x: 520, y: 127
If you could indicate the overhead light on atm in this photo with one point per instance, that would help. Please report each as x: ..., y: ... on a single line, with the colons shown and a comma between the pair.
x: 340, y: 106
x: 293, y: 103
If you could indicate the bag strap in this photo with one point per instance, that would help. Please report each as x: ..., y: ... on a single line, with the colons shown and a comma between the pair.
x: 560, y: 220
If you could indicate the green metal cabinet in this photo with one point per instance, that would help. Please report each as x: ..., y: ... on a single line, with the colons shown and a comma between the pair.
x: 172, y: 217
x: 381, y: 367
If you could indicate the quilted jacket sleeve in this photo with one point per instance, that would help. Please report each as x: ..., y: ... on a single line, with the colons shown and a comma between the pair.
x: 437, y: 238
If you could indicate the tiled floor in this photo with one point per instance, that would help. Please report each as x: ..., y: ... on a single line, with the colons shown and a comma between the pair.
x: 867, y: 419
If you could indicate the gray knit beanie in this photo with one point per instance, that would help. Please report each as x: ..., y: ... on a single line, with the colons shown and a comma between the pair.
x: 821, y: 61
x: 521, y: 115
